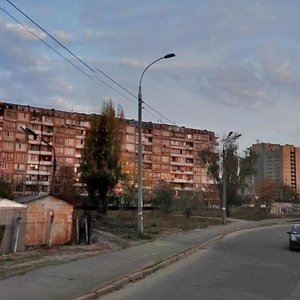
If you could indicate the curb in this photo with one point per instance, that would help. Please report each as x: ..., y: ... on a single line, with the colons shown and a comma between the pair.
x: 120, y: 283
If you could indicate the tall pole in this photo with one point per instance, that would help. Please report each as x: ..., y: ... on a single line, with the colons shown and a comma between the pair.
x: 229, y: 139
x: 140, y: 150
x: 140, y: 162
x: 224, y: 179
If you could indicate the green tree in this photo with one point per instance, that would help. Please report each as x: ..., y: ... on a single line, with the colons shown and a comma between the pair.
x: 101, y: 156
x: 5, y: 190
x: 164, y: 196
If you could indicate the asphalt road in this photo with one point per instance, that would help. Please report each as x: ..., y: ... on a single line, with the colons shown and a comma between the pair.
x: 254, y: 264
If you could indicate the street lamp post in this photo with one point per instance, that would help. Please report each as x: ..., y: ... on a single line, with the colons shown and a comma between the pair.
x: 29, y: 131
x: 140, y: 150
x: 231, y: 137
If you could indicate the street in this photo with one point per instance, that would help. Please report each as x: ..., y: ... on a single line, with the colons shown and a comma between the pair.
x: 253, y: 264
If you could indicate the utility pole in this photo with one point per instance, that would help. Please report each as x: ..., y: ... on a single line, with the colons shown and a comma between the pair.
x: 231, y: 138
x: 140, y: 150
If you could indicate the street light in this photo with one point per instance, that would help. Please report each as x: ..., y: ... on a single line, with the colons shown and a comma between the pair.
x: 29, y: 131
x: 140, y: 156
x: 231, y: 137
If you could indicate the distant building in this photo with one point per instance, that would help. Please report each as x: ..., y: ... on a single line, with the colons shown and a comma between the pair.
x: 169, y: 152
x: 280, y: 163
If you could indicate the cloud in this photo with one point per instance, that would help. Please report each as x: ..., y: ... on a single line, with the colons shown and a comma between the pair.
x: 62, y: 36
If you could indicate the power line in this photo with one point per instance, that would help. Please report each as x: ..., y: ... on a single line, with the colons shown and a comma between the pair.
x: 135, y: 96
x: 27, y: 28
x: 80, y: 60
x: 45, y: 31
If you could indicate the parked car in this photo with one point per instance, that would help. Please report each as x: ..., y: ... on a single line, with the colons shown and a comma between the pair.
x: 294, y: 239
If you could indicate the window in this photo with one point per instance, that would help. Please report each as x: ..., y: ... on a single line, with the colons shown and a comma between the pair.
x: 156, y: 175
x: 156, y: 167
x: 69, y: 160
x: 166, y: 142
x: 4, y: 166
x: 34, y: 157
x: 69, y: 151
x: 8, y: 146
x: 59, y: 150
x: 165, y: 159
x: 70, y: 131
x: 21, y: 157
x: 59, y: 141
x: 59, y: 130
x: 7, y: 155
x: 47, y: 119
x: 8, y: 135
x: 156, y: 141
x: 130, y: 147
x: 165, y: 167
x: 148, y: 148
x: 23, y: 116
x: 130, y: 138
x: 156, y: 149
x: 69, y: 142
x: 176, y: 143
x: 156, y: 158
x: 20, y: 167
x: 130, y: 129
x: 59, y: 121
x: 11, y: 114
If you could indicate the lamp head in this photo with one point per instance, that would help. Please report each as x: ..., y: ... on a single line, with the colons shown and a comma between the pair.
x: 169, y: 55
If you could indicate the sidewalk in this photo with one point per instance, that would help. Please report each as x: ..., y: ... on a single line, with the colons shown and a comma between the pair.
x: 92, y: 277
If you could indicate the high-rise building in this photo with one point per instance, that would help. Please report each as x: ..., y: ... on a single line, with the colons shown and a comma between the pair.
x: 169, y: 152
x: 280, y: 163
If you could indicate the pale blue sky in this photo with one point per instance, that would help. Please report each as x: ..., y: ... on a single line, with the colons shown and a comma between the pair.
x: 237, y: 64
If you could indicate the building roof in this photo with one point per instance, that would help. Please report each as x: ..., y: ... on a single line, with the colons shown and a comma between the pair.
x: 5, y: 203
x: 37, y: 197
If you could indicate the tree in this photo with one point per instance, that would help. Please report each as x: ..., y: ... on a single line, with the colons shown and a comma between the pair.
x: 164, y: 196
x: 5, y: 190
x: 65, y: 182
x: 190, y: 201
x: 247, y: 170
x: 287, y: 193
x: 237, y: 169
x: 268, y: 192
x: 101, y: 156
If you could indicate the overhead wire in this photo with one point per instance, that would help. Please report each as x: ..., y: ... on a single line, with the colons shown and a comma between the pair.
x: 48, y: 45
x: 81, y: 61
x: 45, y: 31
x: 134, y: 96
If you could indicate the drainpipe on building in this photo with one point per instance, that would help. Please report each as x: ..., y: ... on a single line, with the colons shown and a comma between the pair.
x: 50, y: 227
x: 19, y: 218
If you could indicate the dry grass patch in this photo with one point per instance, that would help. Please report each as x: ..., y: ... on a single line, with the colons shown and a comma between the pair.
x: 123, y: 223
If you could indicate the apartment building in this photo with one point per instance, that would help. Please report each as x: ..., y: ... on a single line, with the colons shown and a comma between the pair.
x: 280, y: 163
x: 169, y: 152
